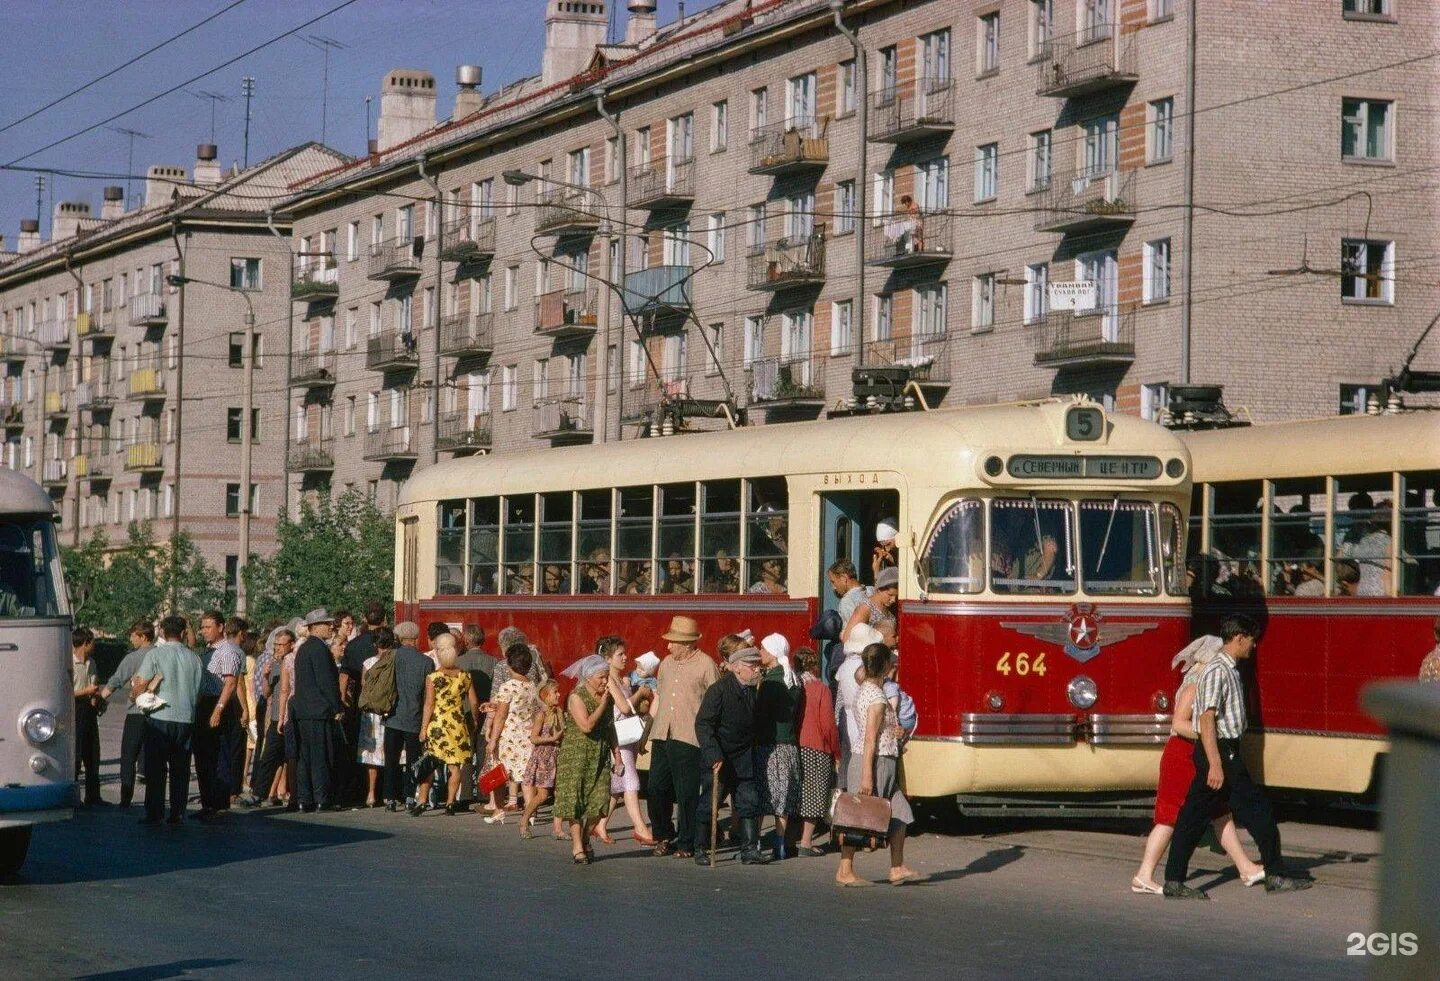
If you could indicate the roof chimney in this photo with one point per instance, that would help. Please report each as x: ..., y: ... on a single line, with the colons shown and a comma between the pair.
x: 161, y: 184
x: 642, y: 21
x: 407, y: 105
x: 65, y: 220
x: 29, y: 235
x: 468, y: 99
x: 113, y: 205
x: 573, y: 30
x: 207, y: 165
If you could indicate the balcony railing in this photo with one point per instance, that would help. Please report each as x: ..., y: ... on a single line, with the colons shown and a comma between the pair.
x: 95, y: 396
x: 565, y: 313
x: 568, y: 211
x: 906, y: 240
x: 147, y: 381
x: 1086, y: 339
x: 311, y: 456
x: 792, y: 383
x: 787, y: 263
x: 95, y: 463
x: 144, y: 456
x: 467, y: 334
x: 562, y: 419
x: 393, y: 260
x: 316, y: 281
x: 148, y: 310
x: 12, y: 349
x: 672, y: 399
x: 790, y: 147
x: 390, y: 444
x: 903, y: 115
x: 54, y: 335
x: 1090, y: 60
x: 658, y: 291
x: 462, y: 432
x: 57, y: 406
x: 391, y: 350
x: 54, y: 474
x: 12, y: 414
x: 1087, y: 199
x: 665, y: 184
x: 469, y: 240
x: 312, y: 369
x: 91, y: 326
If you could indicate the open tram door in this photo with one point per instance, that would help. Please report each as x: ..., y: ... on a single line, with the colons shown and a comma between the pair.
x: 848, y: 521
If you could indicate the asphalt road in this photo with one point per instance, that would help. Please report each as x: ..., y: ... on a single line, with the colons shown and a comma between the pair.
x: 370, y: 894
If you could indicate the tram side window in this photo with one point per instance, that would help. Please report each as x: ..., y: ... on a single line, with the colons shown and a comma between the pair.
x: 720, y: 537
x: 594, y: 541
x: 519, y: 568
x: 556, y: 511
x: 1032, y: 549
x: 954, y: 558
x: 1297, y: 545
x: 1117, y: 548
x: 676, y: 573
x: 1420, y: 534
x: 634, y: 534
x: 1229, y: 567
x: 767, y: 540
x: 450, y: 549
x: 30, y: 584
x: 485, y: 545
x: 1363, y: 514
x: 1171, y: 532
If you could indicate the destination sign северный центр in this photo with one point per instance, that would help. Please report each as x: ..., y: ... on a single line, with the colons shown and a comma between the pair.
x: 1079, y: 467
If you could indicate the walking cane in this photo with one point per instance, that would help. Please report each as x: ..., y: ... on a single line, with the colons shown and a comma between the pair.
x: 714, y: 812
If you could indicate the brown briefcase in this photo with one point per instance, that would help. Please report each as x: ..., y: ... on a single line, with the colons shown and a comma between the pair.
x: 860, y: 814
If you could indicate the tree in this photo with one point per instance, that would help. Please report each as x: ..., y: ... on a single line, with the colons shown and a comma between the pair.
x: 84, y: 574
x: 112, y: 588
x: 185, y: 575
x: 339, y: 552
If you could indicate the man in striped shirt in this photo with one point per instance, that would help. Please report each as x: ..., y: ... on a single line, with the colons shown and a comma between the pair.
x: 1220, y: 772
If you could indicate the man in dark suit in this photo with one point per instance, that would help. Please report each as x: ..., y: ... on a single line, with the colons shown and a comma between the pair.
x: 315, y: 710
x: 725, y: 728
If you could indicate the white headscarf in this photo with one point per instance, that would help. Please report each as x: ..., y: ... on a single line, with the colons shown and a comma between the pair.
x: 1198, y: 653
x: 779, y: 648
x: 862, y: 635
x: 587, y: 666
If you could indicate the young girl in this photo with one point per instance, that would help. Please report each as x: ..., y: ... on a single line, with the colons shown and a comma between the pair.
x: 539, y: 779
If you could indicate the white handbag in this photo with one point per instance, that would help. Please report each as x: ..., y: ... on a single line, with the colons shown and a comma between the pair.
x: 631, y: 729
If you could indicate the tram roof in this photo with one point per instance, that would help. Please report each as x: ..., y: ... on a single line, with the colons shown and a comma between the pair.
x: 936, y: 442
x: 1317, y: 447
x: 21, y: 495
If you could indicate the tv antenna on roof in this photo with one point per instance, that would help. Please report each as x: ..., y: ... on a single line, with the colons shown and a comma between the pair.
x: 130, y: 154
x: 214, y: 97
x: 324, y: 44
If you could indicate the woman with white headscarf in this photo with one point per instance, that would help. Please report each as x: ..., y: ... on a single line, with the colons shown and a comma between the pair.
x: 777, y: 728
x: 587, y: 754
x: 1177, y: 772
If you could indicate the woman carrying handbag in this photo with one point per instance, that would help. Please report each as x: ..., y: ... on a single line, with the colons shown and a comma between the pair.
x: 631, y: 728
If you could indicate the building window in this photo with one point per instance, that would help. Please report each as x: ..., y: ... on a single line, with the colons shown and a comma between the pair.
x: 1365, y: 129
x: 540, y: 387
x: 759, y: 112
x: 512, y: 275
x: 579, y: 166
x: 987, y: 163
x: 349, y: 420
x: 884, y: 204
x: 1037, y: 291
x: 932, y: 184
x: 800, y: 100
x: 800, y: 216
x: 237, y: 350
x: 352, y: 241
x: 988, y: 43
x: 1365, y: 8
x: 982, y: 312
x: 1102, y: 144
x: 674, y: 356
x: 754, y: 340
x: 844, y: 207
x: 232, y: 500
x: 883, y: 327
x: 1163, y: 10
x: 1042, y: 27
x: 509, y: 393
x: 1156, y: 285
x: 612, y: 159
x: 719, y: 126
x: 715, y: 237
x: 757, y: 229
x: 1367, y: 270
x: 233, y: 418
x: 845, y: 97
x: 245, y: 274
x: 232, y: 575
x: 1161, y: 130
x: 935, y: 60
x: 1153, y: 399
x: 842, y: 329
x: 715, y: 356
x: 1040, y: 160
x: 930, y: 304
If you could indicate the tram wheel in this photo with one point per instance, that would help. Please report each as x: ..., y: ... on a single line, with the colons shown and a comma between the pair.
x: 14, y: 843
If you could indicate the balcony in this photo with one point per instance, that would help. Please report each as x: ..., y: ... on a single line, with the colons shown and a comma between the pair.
x: 787, y: 384
x: 467, y: 335
x: 1083, y: 200
x: 906, y: 241
x: 148, y: 310
x: 95, y: 464
x: 566, y: 313
x: 788, y: 263
x: 391, y: 350
x: 54, y: 335
x: 899, y: 116
x: 316, y: 282
x: 792, y: 147
x: 54, y: 475
x: 94, y: 396
x: 311, y: 456
x: 144, y: 456
x: 395, y: 444
x: 94, y: 327
x: 1086, y: 339
x: 568, y: 211
x: 1094, y: 59
x: 57, y: 406
x: 393, y: 261
x: 668, y: 184
x: 673, y: 400
x: 469, y: 240
x: 888, y: 369
x: 460, y: 432
x: 147, y: 382
x: 563, y: 420
x: 12, y: 415
x: 312, y: 369
x: 658, y: 292
x: 12, y: 349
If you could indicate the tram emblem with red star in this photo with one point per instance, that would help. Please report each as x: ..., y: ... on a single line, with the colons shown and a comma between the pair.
x: 1081, y: 631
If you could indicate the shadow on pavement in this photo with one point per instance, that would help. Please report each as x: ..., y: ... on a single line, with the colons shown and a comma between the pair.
x: 158, y: 972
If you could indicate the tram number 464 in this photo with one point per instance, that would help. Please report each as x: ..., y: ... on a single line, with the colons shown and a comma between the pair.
x: 1022, y: 664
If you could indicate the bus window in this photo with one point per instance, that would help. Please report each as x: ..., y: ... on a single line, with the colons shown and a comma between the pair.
x: 954, y: 558
x: 519, y: 568
x: 1117, y: 550
x: 634, y: 532
x: 594, y: 547
x: 1171, y: 530
x: 720, y: 537
x: 30, y: 583
x: 676, y: 572
x: 767, y: 531
x: 1420, y: 534
x: 1363, y: 506
x: 1235, y: 538
x: 555, y: 530
x: 450, y: 549
x: 1297, y: 548
x: 1031, y: 546
x: 485, y: 545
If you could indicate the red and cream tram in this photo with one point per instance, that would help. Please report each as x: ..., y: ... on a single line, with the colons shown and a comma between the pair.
x: 1041, y: 592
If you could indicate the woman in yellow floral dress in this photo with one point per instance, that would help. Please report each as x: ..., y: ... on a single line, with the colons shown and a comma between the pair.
x: 444, y: 729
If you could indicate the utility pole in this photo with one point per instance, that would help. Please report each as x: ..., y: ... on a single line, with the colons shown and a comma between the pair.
x: 367, y: 124
x: 130, y: 154
x: 39, y: 197
x: 324, y: 44
x: 247, y: 437
x: 247, y: 85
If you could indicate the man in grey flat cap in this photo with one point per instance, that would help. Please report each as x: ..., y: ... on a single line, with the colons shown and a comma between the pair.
x: 402, y: 725
x: 725, y: 727
x: 315, y: 710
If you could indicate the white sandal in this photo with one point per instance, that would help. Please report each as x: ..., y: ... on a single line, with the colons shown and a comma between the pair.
x: 1253, y: 880
x: 1145, y: 887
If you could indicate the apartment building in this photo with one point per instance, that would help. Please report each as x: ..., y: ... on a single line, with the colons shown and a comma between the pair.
x: 123, y: 339
x: 772, y: 210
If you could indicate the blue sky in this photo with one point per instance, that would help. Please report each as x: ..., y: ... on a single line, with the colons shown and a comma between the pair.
x: 62, y: 44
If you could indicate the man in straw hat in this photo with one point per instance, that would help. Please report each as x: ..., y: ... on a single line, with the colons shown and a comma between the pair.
x: 725, y: 726
x: 315, y: 710
x: 682, y: 680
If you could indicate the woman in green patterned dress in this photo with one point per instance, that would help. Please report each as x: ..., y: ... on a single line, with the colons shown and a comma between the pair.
x: 582, y: 778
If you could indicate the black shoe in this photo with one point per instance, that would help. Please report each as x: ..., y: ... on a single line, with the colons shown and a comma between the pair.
x: 1179, y: 890
x: 752, y: 855
x: 308, y: 808
x: 453, y: 809
x: 702, y: 858
x: 1286, y: 883
x: 392, y: 806
x: 417, y: 810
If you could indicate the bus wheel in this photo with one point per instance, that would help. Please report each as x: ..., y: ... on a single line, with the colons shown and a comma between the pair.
x: 14, y: 843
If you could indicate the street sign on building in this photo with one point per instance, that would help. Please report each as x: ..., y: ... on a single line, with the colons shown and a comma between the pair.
x: 1083, y: 295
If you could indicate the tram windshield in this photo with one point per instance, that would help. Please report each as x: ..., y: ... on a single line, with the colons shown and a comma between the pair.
x: 30, y: 582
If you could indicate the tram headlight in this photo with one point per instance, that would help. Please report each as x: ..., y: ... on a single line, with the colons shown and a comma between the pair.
x: 1082, y: 692
x: 1175, y: 468
x: 39, y: 726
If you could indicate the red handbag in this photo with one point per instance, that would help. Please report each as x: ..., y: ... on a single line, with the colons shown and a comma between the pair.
x: 492, y: 779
